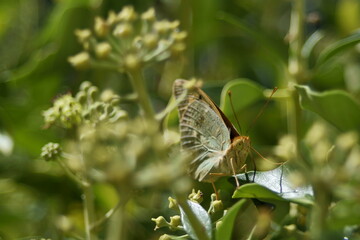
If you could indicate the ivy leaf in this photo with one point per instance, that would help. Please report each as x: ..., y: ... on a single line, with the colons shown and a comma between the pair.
x: 227, y: 225
x: 338, y: 47
x: 241, y: 218
x: 243, y: 92
x: 273, y: 185
x: 336, y: 107
x: 202, y: 216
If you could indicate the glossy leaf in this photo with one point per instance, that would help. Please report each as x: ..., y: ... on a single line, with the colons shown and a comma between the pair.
x: 337, y: 107
x: 253, y: 190
x: 311, y: 43
x: 201, y: 215
x: 227, y: 225
x: 338, y: 47
x: 278, y: 182
x: 243, y: 93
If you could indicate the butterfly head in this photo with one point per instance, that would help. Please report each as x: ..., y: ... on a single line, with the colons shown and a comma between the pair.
x: 241, y: 139
x: 239, y: 150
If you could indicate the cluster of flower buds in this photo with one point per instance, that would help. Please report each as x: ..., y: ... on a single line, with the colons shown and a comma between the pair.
x: 216, y: 206
x: 69, y: 111
x: 51, y: 151
x: 126, y: 41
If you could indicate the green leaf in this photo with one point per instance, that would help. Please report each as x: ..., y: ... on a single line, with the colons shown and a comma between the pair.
x: 311, y: 43
x: 277, y: 180
x: 225, y: 230
x: 253, y: 190
x: 203, y: 217
x: 337, y: 107
x: 244, y: 92
x: 338, y: 47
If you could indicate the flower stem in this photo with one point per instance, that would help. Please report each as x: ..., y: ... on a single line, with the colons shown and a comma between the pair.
x: 296, y: 68
x: 89, y: 216
x: 117, y: 222
x: 138, y: 83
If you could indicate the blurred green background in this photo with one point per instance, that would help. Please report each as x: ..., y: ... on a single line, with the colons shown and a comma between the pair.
x: 226, y: 40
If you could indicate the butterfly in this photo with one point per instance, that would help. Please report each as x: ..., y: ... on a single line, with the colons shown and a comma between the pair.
x: 208, y: 135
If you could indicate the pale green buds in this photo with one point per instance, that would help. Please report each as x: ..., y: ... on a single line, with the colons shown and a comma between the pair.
x: 162, y: 27
x: 179, y: 36
x: 93, y: 92
x: 127, y: 14
x: 132, y: 62
x: 175, y: 222
x: 126, y: 43
x: 103, y: 50
x: 123, y: 30
x: 83, y: 35
x: 196, y: 196
x: 149, y: 15
x: 173, y: 203
x: 165, y: 237
x: 112, y: 18
x: 101, y: 27
x: 85, y: 85
x: 51, y: 151
x: 80, y: 60
x: 150, y: 40
x: 160, y: 222
x: 66, y: 112
x: 216, y: 206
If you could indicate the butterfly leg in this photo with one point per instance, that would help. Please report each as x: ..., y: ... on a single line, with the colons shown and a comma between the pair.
x: 233, y: 169
x: 254, y: 164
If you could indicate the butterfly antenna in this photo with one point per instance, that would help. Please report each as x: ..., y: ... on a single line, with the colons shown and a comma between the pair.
x: 233, y: 110
x: 261, y: 110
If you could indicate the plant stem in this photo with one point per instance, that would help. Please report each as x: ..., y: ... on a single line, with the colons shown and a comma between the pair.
x: 89, y: 216
x: 296, y: 68
x: 138, y: 83
x: 117, y: 223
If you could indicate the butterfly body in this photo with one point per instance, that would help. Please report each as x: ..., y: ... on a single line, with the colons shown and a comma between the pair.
x: 216, y: 146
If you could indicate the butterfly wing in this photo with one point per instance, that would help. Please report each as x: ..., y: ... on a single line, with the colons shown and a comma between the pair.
x: 203, y: 131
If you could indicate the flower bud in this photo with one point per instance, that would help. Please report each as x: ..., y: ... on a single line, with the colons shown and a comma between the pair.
x: 175, y: 221
x: 162, y: 27
x: 160, y: 222
x: 173, y: 203
x: 179, y: 36
x: 165, y: 237
x: 51, y: 151
x: 83, y: 35
x: 132, y: 62
x: 127, y: 14
x: 80, y: 60
x: 123, y: 30
x: 81, y: 97
x: 112, y: 18
x: 196, y: 196
x: 216, y: 206
x: 177, y: 48
x: 149, y: 15
x: 101, y: 27
x: 150, y: 40
x: 66, y: 111
x: 174, y: 24
x: 103, y: 50
x: 107, y: 95
x: 92, y: 92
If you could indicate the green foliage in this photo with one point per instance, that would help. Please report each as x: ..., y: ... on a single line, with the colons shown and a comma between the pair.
x: 117, y: 156
x: 344, y: 112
